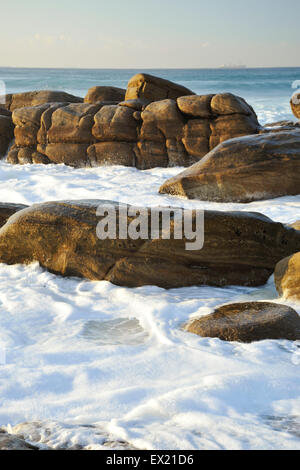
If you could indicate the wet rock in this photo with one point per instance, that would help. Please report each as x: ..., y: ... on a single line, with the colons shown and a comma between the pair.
x: 287, y: 277
x: 6, y: 131
x: 239, y: 249
x: 153, y: 88
x: 243, y: 170
x: 248, y: 322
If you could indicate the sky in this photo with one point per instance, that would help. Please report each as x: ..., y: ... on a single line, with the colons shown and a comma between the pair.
x: 149, y: 34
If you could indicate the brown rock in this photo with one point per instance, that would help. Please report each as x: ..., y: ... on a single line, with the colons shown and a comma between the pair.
x: 228, y: 127
x: 196, y: 106
x: 287, y: 277
x: 243, y: 170
x: 7, y: 209
x: 35, y: 98
x: 151, y: 154
x: 248, y: 322
x: 137, y: 104
x: 226, y: 103
x: 196, y: 135
x: 72, y: 124
x: 296, y: 225
x: 111, y: 153
x: 295, y: 105
x: 11, y: 442
x: 104, y: 93
x: 154, y: 89
x: 115, y: 123
x: 6, y: 131
x: 240, y: 248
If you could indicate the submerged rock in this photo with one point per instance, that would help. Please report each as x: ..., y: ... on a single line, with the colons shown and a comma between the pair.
x: 240, y: 248
x: 7, y: 210
x: 243, y: 170
x: 248, y: 322
x: 287, y: 277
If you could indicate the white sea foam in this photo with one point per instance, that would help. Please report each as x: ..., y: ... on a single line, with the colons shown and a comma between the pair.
x: 163, y: 388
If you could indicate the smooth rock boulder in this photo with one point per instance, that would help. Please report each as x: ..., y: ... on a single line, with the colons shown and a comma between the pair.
x: 239, y: 248
x: 7, y: 210
x: 296, y: 225
x: 154, y: 88
x: 104, y: 93
x: 11, y: 442
x: 287, y: 277
x: 249, y: 322
x: 6, y: 131
x: 295, y: 104
x: 35, y: 98
x: 245, y: 169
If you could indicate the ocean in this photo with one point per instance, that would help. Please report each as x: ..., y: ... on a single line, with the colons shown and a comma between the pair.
x: 268, y: 90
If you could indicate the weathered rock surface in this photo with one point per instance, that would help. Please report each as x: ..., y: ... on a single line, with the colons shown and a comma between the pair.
x: 248, y: 322
x: 6, y: 131
x: 104, y: 93
x: 8, y: 209
x: 153, y: 88
x: 34, y: 98
x: 287, y: 277
x: 243, y: 170
x: 295, y: 105
x: 239, y: 249
x: 160, y: 133
x: 11, y: 442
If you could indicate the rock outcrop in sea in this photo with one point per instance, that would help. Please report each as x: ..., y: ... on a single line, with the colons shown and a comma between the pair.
x: 159, y: 124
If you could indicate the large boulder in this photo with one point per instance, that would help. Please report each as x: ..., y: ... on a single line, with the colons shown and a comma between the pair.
x: 239, y: 248
x: 6, y: 131
x: 248, y: 322
x: 7, y: 209
x: 153, y: 88
x: 243, y: 170
x: 287, y: 277
x: 296, y: 225
x: 104, y: 93
x: 34, y: 98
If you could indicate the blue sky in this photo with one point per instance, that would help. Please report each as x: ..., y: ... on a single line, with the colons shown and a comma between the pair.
x: 152, y: 33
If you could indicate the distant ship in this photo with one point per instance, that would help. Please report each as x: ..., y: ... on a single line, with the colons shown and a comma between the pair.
x: 233, y: 66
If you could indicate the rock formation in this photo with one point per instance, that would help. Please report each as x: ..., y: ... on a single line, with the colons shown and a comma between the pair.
x: 243, y: 170
x: 240, y: 248
x: 152, y: 88
x: 248, y: 322
x: 7, y: 210
x: 135, y: 132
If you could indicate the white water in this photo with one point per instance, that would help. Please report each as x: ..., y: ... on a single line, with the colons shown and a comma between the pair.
x: 75, y: 363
